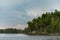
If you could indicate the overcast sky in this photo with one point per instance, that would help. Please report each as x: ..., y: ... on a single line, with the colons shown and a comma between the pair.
x: 16, y: 13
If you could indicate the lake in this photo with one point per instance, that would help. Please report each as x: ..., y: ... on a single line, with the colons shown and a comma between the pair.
x: 26, y: 37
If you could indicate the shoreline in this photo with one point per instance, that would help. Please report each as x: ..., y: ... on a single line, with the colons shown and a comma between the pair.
x: 35, y: 34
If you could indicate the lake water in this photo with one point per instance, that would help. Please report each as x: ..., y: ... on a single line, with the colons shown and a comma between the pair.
x: 26, y: 37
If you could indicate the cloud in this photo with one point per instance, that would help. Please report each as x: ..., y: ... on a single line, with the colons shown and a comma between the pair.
x: 34, y: 12
x: 16, y: 26
x: 19, y: 12
x: 12, y: 12
x: 37, y: 11
x: 12, y: 2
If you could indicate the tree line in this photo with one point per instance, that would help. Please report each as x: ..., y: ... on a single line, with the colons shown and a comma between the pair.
x: 11, y: 30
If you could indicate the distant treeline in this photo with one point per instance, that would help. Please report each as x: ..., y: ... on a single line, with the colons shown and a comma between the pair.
x: 11, y: 30
x: 47, y: 23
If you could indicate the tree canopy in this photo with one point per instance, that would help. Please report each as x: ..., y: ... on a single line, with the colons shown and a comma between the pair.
x: 49, y: 22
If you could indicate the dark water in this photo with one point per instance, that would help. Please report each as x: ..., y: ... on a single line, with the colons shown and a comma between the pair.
x: 26, y: 37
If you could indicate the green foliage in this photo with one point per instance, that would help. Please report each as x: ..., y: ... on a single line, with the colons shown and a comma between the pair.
x: 47, y: 23
x: 11, y: 30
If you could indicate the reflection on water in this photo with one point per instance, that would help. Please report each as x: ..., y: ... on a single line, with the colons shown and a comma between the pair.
x: 26, y: 37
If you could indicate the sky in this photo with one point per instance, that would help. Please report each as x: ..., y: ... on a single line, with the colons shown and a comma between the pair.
x: 16, y: 13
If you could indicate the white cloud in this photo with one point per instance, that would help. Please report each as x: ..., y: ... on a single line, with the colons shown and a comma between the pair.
x: 37, y: 11
x: 33, y: 12
x: 22, y: 27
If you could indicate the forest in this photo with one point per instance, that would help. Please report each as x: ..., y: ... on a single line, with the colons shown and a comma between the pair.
x: 46, y: 24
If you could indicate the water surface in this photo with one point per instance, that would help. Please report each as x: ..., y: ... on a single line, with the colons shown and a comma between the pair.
x: 26, y: 37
